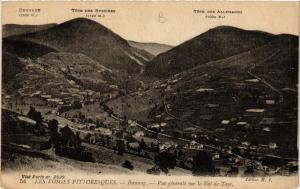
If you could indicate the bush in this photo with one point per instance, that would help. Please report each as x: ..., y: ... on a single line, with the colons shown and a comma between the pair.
x: 165, y: 161
x: 35, y: 115
x: 127, y: 164
x: 53, y: 125
x: 203, y: 164
x: 87, y: 156
x: 153, y: 171
x: 146, y: 155
x: 45, y: 146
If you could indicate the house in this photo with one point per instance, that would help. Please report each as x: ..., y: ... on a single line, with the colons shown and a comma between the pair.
x: 263, y: 146
x: 253, y: 147
x: 220, y: 129
x: 35, y: 93
x: 204, y: 90
x: 246, y: 143
x: 270, y: 102
x: 165, y: 146
x: 241, y: 123
x: 168, y: 118
x: 93, y: 139
x: 168, y: 88
x: 216, y: 156
x: 200, y: 146
x: 139, y: 134
x: 193, y: 143
x: 212, y: 105
x: 7, y: 96
x: 174, y: 81
x: 113, y: 86
x: 91, y: 126
x: 133, y: 145
x: 54, y: 100
x: 292, y: 166
x: 104, y: 131
x: 190, y: 129
x: 267, y: 129
x: 163, y: 85
x: 225, y: 122
x: 45, y: 96
x: 272, y: 145
x: 64, y: 93
x: 234, y: 119
x: 133, y: 124
x: 254, y: 80
x: 255, y: 110
x: 252, y: 114
x: 155, y: 125
x: 194, y: 136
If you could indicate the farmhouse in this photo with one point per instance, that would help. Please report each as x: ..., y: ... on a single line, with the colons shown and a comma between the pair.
x: 167, y: 145
x: 212, y: 105
x: 35, y: 93
x: 45, y: 96
x: 155, y: 125
x: 225, y: 122
x: 204, y: 90
x: 27, y: 120
x: 220, y: 129
x: 252, y: 80
x: 267, y: 129
x: 270, y: 102
x: 255, y: 110
x: 272, y: 145
x: 54, y: 100
x: 139, y: 134
x: 104, y: 131
x: 190, y: 129
x: 241, y: 123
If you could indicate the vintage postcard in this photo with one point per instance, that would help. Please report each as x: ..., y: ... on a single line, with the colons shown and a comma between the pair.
x: 149, y: 95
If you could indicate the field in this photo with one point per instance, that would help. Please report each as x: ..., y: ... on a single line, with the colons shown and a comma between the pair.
x: 136, y: 105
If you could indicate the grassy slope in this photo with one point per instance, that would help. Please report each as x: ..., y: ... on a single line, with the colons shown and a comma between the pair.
x: 276, y: 62
x: 101, y: 44
x: 217, y: 43
x: 15, y: 29
x: 18, y: 158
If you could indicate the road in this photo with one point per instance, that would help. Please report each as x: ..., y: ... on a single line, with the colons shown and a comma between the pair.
x: 281, y: 99
x: 177, y: 138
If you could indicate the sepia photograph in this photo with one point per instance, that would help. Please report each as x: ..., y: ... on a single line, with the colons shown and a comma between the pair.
x: 149, y: 89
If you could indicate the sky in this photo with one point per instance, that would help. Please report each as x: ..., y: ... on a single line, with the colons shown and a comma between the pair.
x: 163, y: 22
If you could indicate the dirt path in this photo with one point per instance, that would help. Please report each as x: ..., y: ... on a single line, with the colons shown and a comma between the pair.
x: 281, y: 99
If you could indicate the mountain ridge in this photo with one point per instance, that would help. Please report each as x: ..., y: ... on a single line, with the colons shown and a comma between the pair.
x: 214, y: 44
x: 151, y: 47
x: 90, y: 38
x: 18, y: 29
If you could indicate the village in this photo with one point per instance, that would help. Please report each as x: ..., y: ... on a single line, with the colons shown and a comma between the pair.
x: 226, y: 145
x: 235, y: 125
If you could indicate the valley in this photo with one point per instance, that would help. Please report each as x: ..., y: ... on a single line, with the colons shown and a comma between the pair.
x: 224, y: 103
